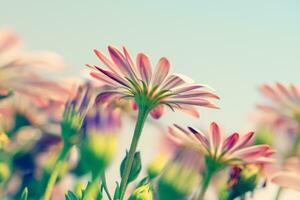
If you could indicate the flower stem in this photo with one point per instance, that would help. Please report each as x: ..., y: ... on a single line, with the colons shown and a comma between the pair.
x: 278, y: 194
x: 142, y: 115
x: 207, y: 176
x: 57, y: 168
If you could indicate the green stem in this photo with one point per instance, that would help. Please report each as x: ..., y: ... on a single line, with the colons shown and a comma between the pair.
x: 142, y: 115
x: 104, y: 185
x: 278, y: 194
x: 205, y: 183
x: 57, y: 168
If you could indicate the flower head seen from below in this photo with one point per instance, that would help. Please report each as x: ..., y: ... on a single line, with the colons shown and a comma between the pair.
x: 74, y: 114
x: 289, y: 177
x: 18, y: 72
x: 234, y: 149
x: 153, y: 90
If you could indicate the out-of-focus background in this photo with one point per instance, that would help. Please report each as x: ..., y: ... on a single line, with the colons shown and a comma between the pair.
x: 233, y: 46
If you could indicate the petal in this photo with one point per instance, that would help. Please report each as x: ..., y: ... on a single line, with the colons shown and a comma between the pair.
x: 172, y: 81
x: 187, y: 88
x: 144, y: 67
x: 157, y: 111
x: 192, y: 94
x: 162, y: 70
x: 287, y: 180
x: 200, y: 136
x: 190, y: 110
x: 252, y: 151
x: 106, y: 61
x: 243, y: 141
x: 230, y: 141
x: 215, y: 135
x: 121, y: 62
x: 114, y: 77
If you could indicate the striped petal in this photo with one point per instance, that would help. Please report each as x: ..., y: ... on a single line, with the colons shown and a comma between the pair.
x: 230, y: 141
x: 106, y: 61
x: 215, y: 135
x: 144, y: 67
x: 113, y: 76
x: 162, y: 70
x: 200, y: 136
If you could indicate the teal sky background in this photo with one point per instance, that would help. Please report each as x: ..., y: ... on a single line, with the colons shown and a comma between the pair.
x: 232, y: 46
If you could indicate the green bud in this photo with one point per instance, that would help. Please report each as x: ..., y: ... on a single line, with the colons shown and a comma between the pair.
x: 144, y: 192
x: 157, y: 165
x: 177, y: 182
x: 98, y: 150
x: 4, y: 172
x: 135, y: 168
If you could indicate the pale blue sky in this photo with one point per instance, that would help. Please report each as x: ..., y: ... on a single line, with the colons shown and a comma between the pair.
x: 232, y: 46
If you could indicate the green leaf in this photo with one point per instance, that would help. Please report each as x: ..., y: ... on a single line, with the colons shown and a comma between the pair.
x: 116, y: 194
x: 71, y: 196
x: 24, y: 195
x: 135, y: 168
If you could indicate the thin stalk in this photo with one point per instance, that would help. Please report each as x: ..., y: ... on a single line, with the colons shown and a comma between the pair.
x: 278, y: 194
x: 205, y: 183
x: 57, y: 168
x: 104, y: 185
x: 142, y: 115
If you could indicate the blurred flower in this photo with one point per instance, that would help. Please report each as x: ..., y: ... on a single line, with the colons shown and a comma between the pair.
x: 144, y: 192
x: 153, y: 90
x: 180, y: 176
x: 231, y: 150
x: 16, y: 71
x: 101, y: 125
x: 74, y: 114
x: 157, y: 165
x: 290, y: 176
x: 286, y: 99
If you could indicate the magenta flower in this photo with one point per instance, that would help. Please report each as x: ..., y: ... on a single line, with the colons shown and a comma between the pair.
x: 290, y: 176
x: 231, y: 150
x: 137, y: 81
x: 16, y: 72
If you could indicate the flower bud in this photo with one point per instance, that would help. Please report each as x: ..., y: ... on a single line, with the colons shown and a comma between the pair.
x: 75, y: 111
x: 4, y: 172
x: 144, y: 192
x: 157, y: 165
x: 99, y: 147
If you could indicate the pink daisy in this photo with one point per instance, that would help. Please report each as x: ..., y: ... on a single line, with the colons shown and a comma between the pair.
x: 234, y: 149
x: 17, y: 75
x: 151, y: 89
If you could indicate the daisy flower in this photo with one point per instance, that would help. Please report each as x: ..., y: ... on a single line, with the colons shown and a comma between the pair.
x: 17, y: 76
x: 151, y: 89
x: 285, y: 99
x: 234, y: 149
